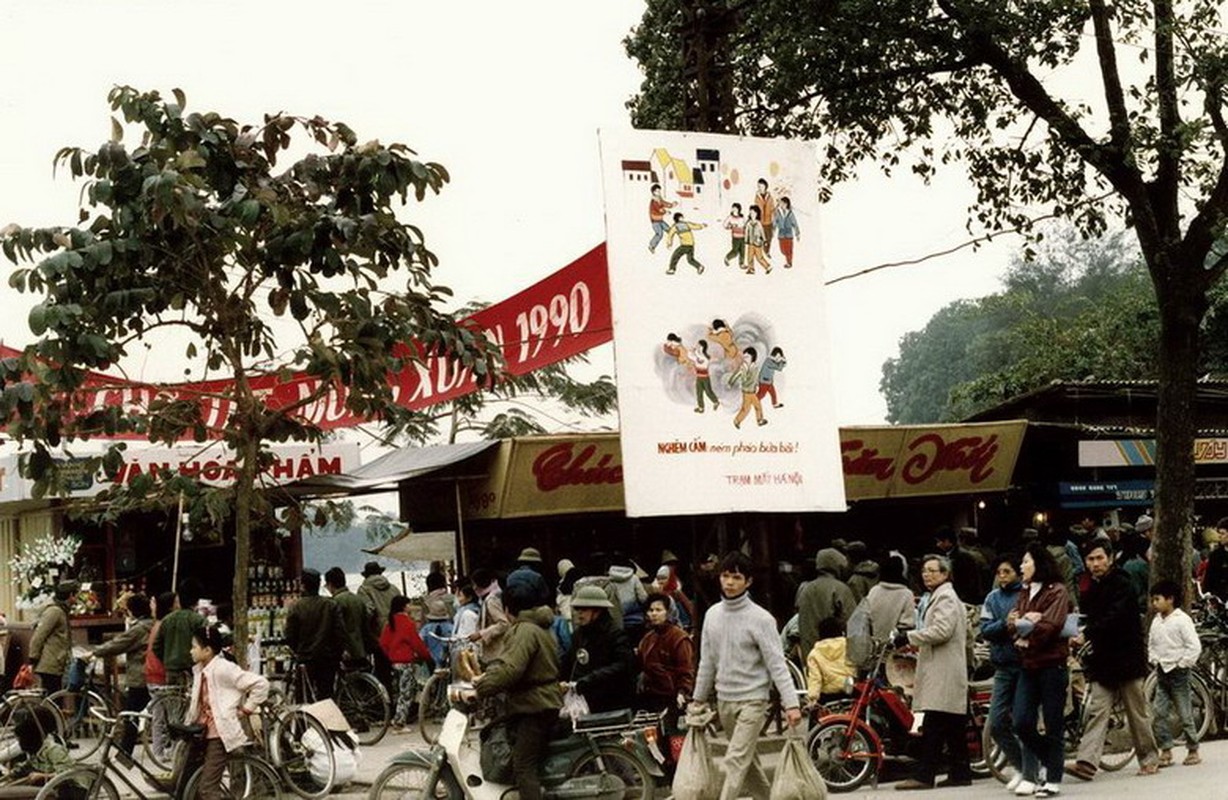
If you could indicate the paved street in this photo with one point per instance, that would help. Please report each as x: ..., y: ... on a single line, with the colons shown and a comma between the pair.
x: 1204, y: 782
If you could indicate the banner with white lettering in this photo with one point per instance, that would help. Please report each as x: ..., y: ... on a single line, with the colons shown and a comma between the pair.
x: 720, y: 329
x: 210, y: 463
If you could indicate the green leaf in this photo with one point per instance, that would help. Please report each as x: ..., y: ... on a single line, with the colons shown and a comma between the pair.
x: 117, y: 133
x: 38, y: 320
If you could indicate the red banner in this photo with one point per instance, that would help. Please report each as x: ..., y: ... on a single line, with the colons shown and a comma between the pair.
x: 561, y: 316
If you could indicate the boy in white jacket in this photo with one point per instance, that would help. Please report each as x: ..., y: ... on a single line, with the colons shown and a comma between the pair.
x: 1173, y: 647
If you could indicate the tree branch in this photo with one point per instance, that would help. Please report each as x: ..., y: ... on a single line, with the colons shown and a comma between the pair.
x: 1119, y: 120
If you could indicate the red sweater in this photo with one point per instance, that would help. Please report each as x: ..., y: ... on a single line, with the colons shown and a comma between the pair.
x: 401, y: 642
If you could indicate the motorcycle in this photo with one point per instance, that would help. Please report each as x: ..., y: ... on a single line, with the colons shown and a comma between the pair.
x: 850, y: 748
x: 597, y: 756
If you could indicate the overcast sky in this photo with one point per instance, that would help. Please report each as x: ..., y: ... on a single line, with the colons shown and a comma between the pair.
x: 508, y: 96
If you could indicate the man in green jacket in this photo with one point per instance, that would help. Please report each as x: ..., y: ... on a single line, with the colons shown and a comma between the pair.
x: 173, y: 644
x: 354, y: 616
x: 132, y: 643
x: 313, y: 634
x: 49, y: 648
x: 528, y: 671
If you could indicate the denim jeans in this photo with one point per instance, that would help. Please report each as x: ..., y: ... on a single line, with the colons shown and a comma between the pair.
x: 1005, y: 687
x: 659, y: 227
x: 1042, y: 692
x: 1173, y: 689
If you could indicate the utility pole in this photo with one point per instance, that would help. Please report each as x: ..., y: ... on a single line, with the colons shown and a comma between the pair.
x: 707, y: 78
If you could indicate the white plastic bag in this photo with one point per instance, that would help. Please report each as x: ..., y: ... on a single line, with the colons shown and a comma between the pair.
x: 346, y: 756
x: 574, y: 705
x: 697, y: 776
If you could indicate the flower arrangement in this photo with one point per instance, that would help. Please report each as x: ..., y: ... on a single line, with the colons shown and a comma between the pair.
x: 39, y: 566
x: 85, y: 601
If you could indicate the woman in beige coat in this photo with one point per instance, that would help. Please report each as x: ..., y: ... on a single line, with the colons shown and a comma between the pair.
x: 941, y: 688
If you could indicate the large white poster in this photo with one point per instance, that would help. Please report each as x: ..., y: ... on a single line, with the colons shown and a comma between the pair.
x: 720, y: 335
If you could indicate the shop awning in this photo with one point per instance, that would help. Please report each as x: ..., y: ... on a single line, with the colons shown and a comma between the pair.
x: 413, y: 546
x: 388, y: 470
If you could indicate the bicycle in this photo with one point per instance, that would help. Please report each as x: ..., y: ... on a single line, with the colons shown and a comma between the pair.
x: 363, y: 700
x: 433, y: 702
x: 247, y: 776
x: 84, y: 729
x: 167, y: 704
x: 299, y: 746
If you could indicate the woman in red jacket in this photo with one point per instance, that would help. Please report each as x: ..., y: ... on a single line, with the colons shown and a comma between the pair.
x: 409, y: 656
x: 667, y: 659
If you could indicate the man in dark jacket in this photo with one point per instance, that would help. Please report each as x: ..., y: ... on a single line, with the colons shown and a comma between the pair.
x: 355, y: 619
x: 825, y: 597
x: 313, y: 634
x: 1216, y: 579
x: 1117, y: 665
x: 173, y: 643
x: 602, y: 660
x: 132, y: 643
x: 528, y: 671
x: 1007, y: 668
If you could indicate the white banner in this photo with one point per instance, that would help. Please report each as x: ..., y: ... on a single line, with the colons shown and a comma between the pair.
x: 720, y: 330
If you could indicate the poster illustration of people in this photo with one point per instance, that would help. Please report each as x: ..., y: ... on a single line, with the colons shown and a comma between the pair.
x: 720, y: 338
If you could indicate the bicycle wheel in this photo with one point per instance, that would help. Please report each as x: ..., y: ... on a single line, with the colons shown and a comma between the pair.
x: 1118, y: 743
x: 365, y: 704
x: 433, y: 706
x: 246, y: 778
x: 992, y: 755
x: 302, y: 753
x: 618, y: 763
x: 409, y: 782
x: 845, y: 759
x: 79, y: 783
x: 84, y: 726
x: 156, y: 740
x: 1200, y: 703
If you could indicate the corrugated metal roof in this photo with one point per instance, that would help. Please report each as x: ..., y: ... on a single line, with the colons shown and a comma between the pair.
x: 399, y: 465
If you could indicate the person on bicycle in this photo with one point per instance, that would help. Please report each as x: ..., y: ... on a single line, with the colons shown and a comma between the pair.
x: 353, y: 613
x: 527, y: 671
x: 602, y: 660
x: 132, y: 643
x: 222, y: 692
x: 941, y: 688
x: 313, y: 634
x: 740, y: 659
x: 1117, y: 664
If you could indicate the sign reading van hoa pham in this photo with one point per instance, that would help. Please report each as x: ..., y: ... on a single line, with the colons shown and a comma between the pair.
x: 211, y: 464
x: 929, y: 460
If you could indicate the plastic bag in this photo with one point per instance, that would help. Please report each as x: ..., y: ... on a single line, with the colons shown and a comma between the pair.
x: 697, y: 776
x: 574, y: 705
x: 796, y: 776
x: 346, y: 756
x: 496, y: 753
x: 24, y: 679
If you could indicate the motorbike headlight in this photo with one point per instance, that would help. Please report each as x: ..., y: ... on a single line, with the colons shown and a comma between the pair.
x: 850, y: 684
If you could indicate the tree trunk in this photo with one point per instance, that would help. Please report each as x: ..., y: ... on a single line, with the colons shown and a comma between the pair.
x: 1182, y: 304
x: 245, y: 487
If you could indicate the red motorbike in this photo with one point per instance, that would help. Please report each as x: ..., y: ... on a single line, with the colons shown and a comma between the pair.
x: 851, y: 748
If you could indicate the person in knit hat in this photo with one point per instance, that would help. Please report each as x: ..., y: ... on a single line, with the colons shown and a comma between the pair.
x: 740, y: 660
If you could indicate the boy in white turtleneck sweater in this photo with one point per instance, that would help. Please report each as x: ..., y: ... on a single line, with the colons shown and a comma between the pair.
x: 741, y: 658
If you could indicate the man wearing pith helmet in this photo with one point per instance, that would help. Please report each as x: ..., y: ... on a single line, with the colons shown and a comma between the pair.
x: 601, y: 662
x: 528, y: 574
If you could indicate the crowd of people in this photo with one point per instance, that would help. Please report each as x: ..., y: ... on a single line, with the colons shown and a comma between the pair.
x: 614, y: 636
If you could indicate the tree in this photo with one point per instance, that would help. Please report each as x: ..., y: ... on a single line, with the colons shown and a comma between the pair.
x: 1000, y: 87
x: 1075, y: 309
x: 255, y: 272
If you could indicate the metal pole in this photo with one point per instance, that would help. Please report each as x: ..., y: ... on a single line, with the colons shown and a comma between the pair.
x: 460, y: 530
x: 178, y: 541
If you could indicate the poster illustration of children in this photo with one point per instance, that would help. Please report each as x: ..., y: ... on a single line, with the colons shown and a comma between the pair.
x: 787, y: 229
x: 703, y: 378
x: 746, y: 378
x: 767, y: 373
x: 735, y: 223
x: 657, y: 206
x: 720, y: 333
x: 685, y: 231
x: 767, y: 213
x: 755, y: 239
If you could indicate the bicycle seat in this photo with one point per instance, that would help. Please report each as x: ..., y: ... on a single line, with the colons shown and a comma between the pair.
x: 185, y: 732
x: 604, y: 719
